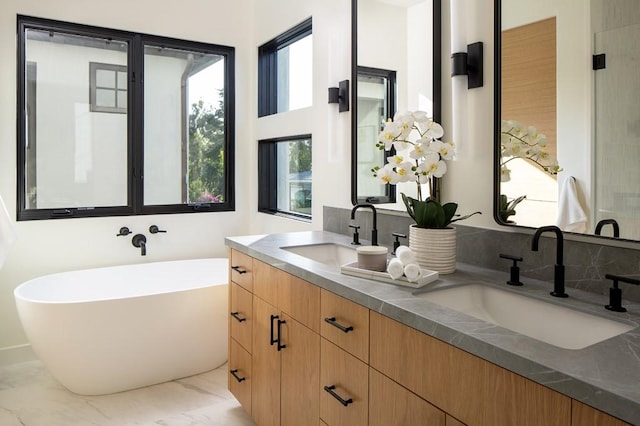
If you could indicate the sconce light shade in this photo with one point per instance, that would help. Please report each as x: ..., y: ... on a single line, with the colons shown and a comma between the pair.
x: 340, y: 95
x: 470, y: 64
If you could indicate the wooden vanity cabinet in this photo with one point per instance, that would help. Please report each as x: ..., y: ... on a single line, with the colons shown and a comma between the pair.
x: 346, y: 324
x: 240, y: 327
x: 286, y: 349
x: 464, y: 386
x: 392, y: 405
x: 344, y: 400
x: 392, y: 373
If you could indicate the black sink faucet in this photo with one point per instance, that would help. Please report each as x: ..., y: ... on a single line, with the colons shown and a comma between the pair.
x: 612, y: 222
x: 558, y: 278
x: 374, y: 228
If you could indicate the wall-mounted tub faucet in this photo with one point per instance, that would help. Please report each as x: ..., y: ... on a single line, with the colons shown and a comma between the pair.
x: 558, y: 276
x: 612, y: 222
x: 140, y: 241
x: 374, y: 228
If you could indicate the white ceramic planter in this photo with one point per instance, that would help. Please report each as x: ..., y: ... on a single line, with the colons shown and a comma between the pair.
x: 435, y: 249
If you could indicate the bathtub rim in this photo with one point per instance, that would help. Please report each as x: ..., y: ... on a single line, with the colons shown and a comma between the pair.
x: 18, y: 296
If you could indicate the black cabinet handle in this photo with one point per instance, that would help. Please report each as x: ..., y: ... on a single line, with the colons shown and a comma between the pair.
x: 272, y: 339
x: 280, y: 345
x: 333, y: 322
x: 239, y: 269
x: 234, y: 373
x: 237, y: 316
x: 342, y: 401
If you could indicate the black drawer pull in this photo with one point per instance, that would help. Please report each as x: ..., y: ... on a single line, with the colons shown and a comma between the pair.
x: 234, y: 373
x: 342, y: 401
x: 280, y: 345
x: 333, y: 322
x: 239, y: 269
x: 237, y: 316
x: 272, y: 339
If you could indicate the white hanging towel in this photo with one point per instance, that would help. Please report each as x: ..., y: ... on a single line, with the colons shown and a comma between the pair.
x: 571, y: 215
x: 7, y: 232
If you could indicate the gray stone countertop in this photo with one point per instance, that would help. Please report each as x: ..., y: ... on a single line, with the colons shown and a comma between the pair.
x: 605, y: 375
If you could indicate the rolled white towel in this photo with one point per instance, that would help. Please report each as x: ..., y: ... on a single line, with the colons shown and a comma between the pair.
x: 406, y: 255
x: 413, y: 272
x: 395, y: 269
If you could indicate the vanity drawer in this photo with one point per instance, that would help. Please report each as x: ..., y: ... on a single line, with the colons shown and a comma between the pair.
x: 241, y: 315
x: 346, y: 324
x: 344, y: 392
x: 240, y: 374
x: 241, y: 269
x: 392, y: 405
x: 300, y: 299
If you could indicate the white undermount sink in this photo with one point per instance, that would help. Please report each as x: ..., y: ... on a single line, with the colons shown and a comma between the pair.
x: 557, y: 325
x: 327, y: 253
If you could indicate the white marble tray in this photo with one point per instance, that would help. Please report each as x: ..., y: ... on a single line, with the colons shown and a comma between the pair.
x: 352, y: 269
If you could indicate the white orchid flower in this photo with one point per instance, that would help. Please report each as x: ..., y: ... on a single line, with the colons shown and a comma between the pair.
x: 404, y: 172
x: 421, y: 117
x: 419, y: 150
x: 444, y: 149
x: 433, y: 131
x: 387, y: 175
x: 433, y: 165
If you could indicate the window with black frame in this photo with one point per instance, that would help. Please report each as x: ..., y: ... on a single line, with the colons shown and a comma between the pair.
x: 285, y: 71
x: 284, y: 167
x: 169, y: 147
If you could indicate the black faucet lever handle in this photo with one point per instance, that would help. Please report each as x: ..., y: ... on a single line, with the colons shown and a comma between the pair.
x: 515, y: 269
x: 396, y: 243
x: 615, y: 294
x: 154, y: 229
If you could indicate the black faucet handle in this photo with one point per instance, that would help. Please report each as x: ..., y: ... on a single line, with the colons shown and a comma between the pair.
x: 154, y: 229
x: 124, y: 231
x: 356, y: 235
x: 396, y: 243
x: 515, y: 270
x: 615, y: 294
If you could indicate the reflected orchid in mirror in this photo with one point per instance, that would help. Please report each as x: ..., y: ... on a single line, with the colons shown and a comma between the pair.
x: 518, y: 141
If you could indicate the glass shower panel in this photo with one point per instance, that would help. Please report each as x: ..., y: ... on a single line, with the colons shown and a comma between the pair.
x: 617, y: 130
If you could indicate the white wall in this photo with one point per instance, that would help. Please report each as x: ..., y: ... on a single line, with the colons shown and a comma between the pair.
x: 48, y: 246
x: 330, y: 130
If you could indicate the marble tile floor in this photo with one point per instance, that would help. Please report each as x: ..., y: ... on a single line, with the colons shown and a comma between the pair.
x: 30, y: 396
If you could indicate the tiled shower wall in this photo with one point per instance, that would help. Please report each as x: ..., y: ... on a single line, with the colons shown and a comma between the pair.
x: 586, y: 263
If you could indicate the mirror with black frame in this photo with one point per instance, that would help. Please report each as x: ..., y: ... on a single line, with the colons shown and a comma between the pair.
x: 567, y: 138
x: 395, y: 67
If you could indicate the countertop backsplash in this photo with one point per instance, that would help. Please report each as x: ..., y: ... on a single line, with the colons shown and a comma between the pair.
x: 586, y: 263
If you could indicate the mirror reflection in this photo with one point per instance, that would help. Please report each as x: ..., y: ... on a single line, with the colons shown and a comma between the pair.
x: 394, y: 71
x: 568, y: 90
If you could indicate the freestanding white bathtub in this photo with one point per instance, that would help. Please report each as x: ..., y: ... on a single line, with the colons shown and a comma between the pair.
x: 107, y: 330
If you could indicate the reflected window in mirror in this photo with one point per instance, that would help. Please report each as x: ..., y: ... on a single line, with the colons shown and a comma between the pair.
x: 376, y: 102
x: 567, y: 69
x: 403, y: 37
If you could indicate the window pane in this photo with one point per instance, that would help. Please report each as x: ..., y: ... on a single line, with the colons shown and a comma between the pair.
x: 184, y: 127
x: 121, y: 99
x: 122, y: 80
x: 295, y: 75
x: 74, y: 157
x: 105, y: 98
x: 106, y: 78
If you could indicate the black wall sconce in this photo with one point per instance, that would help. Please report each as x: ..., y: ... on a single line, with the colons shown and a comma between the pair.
x: 469, y: 63
x: 340, y: 95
